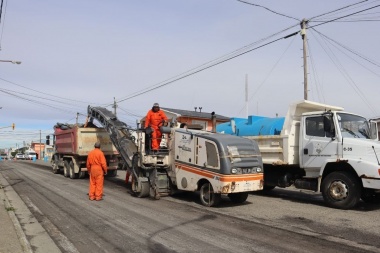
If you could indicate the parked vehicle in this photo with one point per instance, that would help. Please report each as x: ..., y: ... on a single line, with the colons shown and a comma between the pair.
x: 72, y: 145
x: 4, y: 156
x: 213, y: 164
x: 20, y: 156
x: 30, y: 155
x: 317, y: 147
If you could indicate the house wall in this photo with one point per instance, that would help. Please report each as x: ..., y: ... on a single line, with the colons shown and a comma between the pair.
x: 39, y: 149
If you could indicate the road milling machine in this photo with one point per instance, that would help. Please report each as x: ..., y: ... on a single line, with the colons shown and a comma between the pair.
x: 193, y: 160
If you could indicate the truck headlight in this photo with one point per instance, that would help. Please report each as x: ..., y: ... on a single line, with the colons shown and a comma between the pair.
x: 258, y: 169
x: 234, y: 171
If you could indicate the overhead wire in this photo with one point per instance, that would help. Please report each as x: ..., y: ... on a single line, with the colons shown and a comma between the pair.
x: 345, y: 74
x: 207, y: 67
x: 269, y: 73
x: 237, y: 51
x: 266, y: 8
x: 341, y: 17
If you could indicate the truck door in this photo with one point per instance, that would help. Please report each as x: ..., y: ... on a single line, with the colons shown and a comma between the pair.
x: 317, y: 144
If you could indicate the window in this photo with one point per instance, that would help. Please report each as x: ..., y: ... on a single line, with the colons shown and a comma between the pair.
x: 200, y: 122
x: 315, y: 127
x: 212, y: 155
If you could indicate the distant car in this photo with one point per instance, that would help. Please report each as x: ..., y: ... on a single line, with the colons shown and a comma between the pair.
x: 20, y: 156
x: 4, y: 156
x: 30, y: 155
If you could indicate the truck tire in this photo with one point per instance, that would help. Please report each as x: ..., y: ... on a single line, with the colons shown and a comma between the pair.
x: 81, y: 174
x: 207, y: 195
x: 239, y: 197
x: 73, y: 175
x: 341, y: 190
x: 370, y: 196
x: 54, y: 164
x: 66, y: 168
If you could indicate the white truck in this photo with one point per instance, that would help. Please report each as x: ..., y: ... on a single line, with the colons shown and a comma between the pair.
x: 317, y: 147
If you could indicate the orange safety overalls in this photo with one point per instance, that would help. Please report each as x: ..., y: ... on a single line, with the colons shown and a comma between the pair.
x: 96, y: 167
x: 154, y: 120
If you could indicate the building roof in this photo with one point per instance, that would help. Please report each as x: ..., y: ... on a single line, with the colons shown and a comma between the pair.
x: 194, y: 114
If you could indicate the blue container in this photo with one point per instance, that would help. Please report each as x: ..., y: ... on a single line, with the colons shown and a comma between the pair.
x: 253, y: 126
x: 34, y: 159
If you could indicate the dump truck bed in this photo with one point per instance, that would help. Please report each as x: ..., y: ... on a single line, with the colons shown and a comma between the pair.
x: 80, y: 141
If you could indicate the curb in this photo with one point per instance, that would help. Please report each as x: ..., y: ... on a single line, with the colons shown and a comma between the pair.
x: 27, y: 248
x: 25, y: 245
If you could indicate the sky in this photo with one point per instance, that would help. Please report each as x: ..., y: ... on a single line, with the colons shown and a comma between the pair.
x: 181, y: 54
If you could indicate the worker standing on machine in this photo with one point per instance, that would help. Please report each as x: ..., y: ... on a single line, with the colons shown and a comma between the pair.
x: 154, y: 119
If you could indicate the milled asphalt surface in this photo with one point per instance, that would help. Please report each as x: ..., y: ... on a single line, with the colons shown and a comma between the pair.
x: 14, y: 238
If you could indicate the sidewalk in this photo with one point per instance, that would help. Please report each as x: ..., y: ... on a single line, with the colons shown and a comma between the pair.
x: 18, y: 224
x: 12, y: 237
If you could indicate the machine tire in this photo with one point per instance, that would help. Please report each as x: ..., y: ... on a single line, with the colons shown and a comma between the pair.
x: 112, y: 173
x: 239, y: 197
x: 73, y: 175
x: 207, y: 195
x: 54, y: 164
x: 370, y: 196
x: 341, y: 190
x: 144, y: 189
x: 66, y: 168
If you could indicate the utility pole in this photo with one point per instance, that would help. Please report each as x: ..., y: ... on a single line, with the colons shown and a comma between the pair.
x: 246, y: 95
x: 77, y: 118
x: 114, y: 106
x: 40, y: 146
x: 304, y: 38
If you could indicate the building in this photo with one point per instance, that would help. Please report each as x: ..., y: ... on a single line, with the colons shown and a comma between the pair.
x: 192, y: 118
x: 38, y: 148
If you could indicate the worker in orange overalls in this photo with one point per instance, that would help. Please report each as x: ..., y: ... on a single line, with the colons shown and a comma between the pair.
x: 97, y: 168
x: 154, y: 119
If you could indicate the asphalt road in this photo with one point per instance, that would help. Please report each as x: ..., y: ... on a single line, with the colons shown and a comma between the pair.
x: 281, y: 221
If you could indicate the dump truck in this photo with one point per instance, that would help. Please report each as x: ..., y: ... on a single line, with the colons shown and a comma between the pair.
x: 192, y: 160
x: 317, y: 147
x: 72, y: 143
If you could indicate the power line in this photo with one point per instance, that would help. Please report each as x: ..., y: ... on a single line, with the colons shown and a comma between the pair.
x: 275, y: 12
x: 207, y: 67
x: 339, y: 9
x: 348, y: 15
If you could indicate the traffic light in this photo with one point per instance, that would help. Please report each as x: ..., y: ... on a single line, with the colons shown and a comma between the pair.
x: 47, y: 139
x: 13, y: 126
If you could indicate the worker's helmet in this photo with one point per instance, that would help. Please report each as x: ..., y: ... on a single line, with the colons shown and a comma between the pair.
x: 156, y: 105
x: 97, y: 144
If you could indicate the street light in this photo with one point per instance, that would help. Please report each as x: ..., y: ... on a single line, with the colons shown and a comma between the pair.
x: 14, y: 62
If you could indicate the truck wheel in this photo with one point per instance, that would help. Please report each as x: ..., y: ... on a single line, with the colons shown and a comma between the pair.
x: 239, y: 197
x: 341, y: 190
x: 66, y: 168
x: 207, y: 195
x: 370, y: 196
x: 54, y: 164
x: 73, y: 175
x: 81, y: 174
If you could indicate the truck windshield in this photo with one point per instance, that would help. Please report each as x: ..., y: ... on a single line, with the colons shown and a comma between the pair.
x: 353, y: 126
